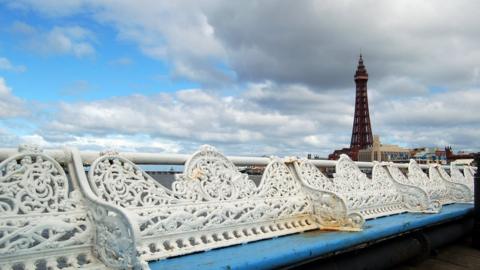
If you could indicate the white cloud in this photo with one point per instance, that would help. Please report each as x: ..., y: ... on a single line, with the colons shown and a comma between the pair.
x: 297, y: 122
x: 74, y: 40
x: 216, y: 42
x: 237, y: 124
x: 126, y: 143
x: 66, y: 40
x: 293, y: 65
x: 49, y: 7
x: 5, y: 64
x: 10, y: 105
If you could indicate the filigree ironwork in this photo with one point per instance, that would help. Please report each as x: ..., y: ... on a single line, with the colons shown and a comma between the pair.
x: 458, y: 177
x: 457, y: 192
x: 329, y: 208
x: 39, y: 214
x: 434, y: 186
x: 210, y: 205
x: 378, y: 196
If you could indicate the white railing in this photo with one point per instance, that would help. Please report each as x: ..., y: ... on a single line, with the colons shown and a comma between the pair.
x: 118, y: 216
x: 179, y: 159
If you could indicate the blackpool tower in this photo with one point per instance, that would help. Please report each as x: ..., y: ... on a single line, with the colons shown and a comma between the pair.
x: 362, y: 131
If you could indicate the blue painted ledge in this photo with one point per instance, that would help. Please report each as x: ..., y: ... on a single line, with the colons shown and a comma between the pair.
x: 282, y: 251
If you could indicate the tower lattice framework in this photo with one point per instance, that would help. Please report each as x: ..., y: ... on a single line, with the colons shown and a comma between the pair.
x: 362, y: 130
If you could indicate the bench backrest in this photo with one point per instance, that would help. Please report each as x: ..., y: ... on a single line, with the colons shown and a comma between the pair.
x: 42, y: 223
x: 458, y: 177
x: 432, y: 183
x: 370, y: 197
x: 211, y: 204
x: 119, y: 181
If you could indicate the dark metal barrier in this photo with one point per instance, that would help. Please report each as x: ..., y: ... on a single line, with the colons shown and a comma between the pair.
x: 476, y: 184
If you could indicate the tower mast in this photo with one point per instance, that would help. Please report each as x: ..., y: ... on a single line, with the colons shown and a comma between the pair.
x: 362, y: 130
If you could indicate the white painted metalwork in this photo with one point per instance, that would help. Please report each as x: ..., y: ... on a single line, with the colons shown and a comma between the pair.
x: 434, y: 188
x: 179, y: 159
x: 375, y: 197
x: 116, y: 233
x: 457, y: 192
x: 469, y: 172
x: 118, y: 217
x: 331, y: 210
x: 210, y: 205
x: 465, y: 178
x: 43, y: 224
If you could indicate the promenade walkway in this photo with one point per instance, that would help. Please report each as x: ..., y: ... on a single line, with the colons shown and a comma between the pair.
x: 458, y: 256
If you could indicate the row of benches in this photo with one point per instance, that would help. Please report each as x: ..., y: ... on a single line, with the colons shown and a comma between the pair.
x: 117, y: 216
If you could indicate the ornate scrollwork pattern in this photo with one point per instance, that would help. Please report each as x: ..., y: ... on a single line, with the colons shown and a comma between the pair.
x: 211, y: 176
x: 30, y: 234
x: 329, y: 206
x: 331, y: 213
x: 469, y: 173
x: 457, y: 177
x: 39, y: 215
x: 211, y: 203
x: 32, y: 183
x: 379, y: 196
x: 416, y: 198
x: 371, y: 197
x: 433, y: 186
x: 438, y: 187
x: 278, y: 181
x: 114, y: 243
x: 311, y: 176
x: 119, y: 181
x: 457, y: 192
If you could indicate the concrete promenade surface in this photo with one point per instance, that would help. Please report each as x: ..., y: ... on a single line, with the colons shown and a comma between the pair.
x: 457, y: 256
x: 291, y: 249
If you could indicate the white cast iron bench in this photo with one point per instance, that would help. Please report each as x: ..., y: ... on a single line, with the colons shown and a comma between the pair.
x: 458, y: 192
x: 210, y: 205
x: 43, y: 222
x: 468, y: 176
x: 437, y: 187
x: 465, y: 178
x: 375, y: 197
x: 435, y: 190
x: 47, y: 221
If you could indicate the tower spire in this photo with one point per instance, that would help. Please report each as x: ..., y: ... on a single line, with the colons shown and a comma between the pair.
x: 362, y: 130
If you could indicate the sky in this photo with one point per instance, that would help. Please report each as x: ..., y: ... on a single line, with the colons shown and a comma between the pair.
x: 248, y: 77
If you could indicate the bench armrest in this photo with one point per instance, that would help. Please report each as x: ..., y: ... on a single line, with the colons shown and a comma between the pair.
x: 117, y: 233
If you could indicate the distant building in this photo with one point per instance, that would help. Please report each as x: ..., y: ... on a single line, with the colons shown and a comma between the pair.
x: 336, y: 154
x: 427, y: 155
x: 317, y: 157
x: 383, y: 152
x: 460, y: 155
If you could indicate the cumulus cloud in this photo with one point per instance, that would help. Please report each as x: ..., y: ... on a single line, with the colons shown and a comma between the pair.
x: 10, y: 105
x: 74, y: 40
x: 5, y: 64
x: 231, y: 41
x: 249, y: 124
x: 238, y: 124
x: 126, y: 143
x: 292, y: 64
